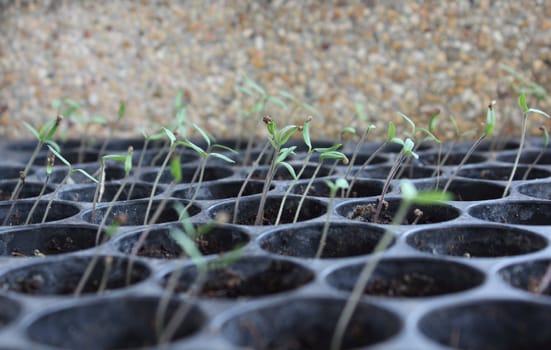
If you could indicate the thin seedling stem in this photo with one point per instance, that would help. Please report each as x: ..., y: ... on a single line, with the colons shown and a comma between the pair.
x: 325, y: 230
x: 519, y: 152
x: 363, y: 279
x: 355, y: 153
x: 290, y: 188
x: 90, y: 268
x: 365, y: 164
x: 247, y: 179
x: 138, y: 166
x: 166, y: 334
x: 106, y: 273
x: 386, y: 186
x: 156, y: 183
x: 308, y: 186
x: 35, y: 204
x: 199, y: 183
x: 267, y: 184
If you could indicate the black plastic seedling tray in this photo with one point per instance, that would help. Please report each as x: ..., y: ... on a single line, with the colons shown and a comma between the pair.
x: 463, y: 276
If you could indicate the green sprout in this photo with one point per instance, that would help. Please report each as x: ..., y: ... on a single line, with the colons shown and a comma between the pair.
x: 410, y: 196
x: 278, y: 138
x: 339, y: 183
x: 407, y: 151
x: 489, y: 128
x: 525, y: 112
x: 329, y: 153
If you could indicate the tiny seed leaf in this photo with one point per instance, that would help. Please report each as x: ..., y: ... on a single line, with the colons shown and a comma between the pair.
x: 522, y: 103
x: 176, y: 169
x: 203, y: 133
x: 83, y: 172
x: 289, y: 169
x: 31, y: 129
x: 221, y: 156
x: 59, y: 156
x: 538, y: 111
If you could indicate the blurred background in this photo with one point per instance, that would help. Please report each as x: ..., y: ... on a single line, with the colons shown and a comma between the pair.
x: 416, y: 57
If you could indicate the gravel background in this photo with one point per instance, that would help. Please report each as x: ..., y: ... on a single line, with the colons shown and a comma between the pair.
x: 413, y: 57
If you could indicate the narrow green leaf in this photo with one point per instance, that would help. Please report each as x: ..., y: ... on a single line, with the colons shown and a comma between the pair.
x: 328, y: 149
x: 49, y: 168
x: 408, y: 190
x: 522, y: 102
x: 112, y: 228
x: 178, y: 99
x: 31, y: 129
x: 183, y: 216
x: 277, y: 101
x: 244, y: 90
x: 193, y: 146
x: 432, y: 122
x: 409, y: 121
x: 221, y: 156
x: 122, y: 110
x: 398, y: 141
x: 490, y: 120
x: 271, y: 126
x: 56, y: 104
x: 128, y: 163
x: 52, y: 130
x: 181, y: 116
x: 360, y: 111
x: 225, y: 148
x: 285, y: 134
x: 59, y: 156
x: 156, y: 136
x: 332, y: 187
x: 116, y: 157
x: 287, y: 95
x: 83, y: 172
x: 348, y: 130
x: 533, y: 110
x: 430, y: 136
x: 53, y: 144
x: 408, y: 146
x: 311, y: 109
x: 333, y: 155
x: 176, y: 169
x: 255, y: 86
x: 79, y: 118
x: 203, y: 134
x: 341, y: 183
x: 98, y: 120
x: 45, y: 129
x: 290, y: 169
x: 258, y: 107
x: 432, y: 197
x: 306, y: 135
x: 170, y: 135
x: 72, y: 103
x: 187, y: 244
x: 284, y: 153
x: 391, y: 132
x: 455, y: 126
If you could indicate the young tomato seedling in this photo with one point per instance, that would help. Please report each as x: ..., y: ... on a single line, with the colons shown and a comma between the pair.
x: 277, y: 139
x: 340, y: 183
x: 525, y: 112
x: 488, y: 130
x: 410, y: 196
x: 407, y: 151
